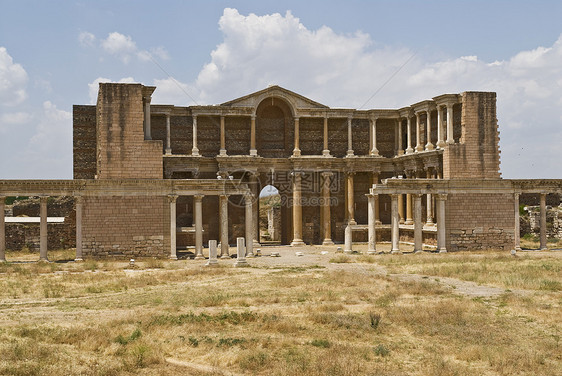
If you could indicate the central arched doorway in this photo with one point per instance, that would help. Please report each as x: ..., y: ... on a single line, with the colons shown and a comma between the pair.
x: 274, y: 129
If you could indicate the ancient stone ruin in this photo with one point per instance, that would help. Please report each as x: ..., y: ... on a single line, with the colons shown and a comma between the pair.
x: 150, y: 180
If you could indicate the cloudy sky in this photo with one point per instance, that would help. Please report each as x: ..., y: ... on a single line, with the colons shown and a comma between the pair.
x: 355, y: 54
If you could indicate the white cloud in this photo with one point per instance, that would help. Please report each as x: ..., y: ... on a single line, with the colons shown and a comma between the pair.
x: 171, y: 91
x: 15, y: 118
x: 13, y: 80
x: 123, y: 47
x: 94, y: 86
x: 86, y: 39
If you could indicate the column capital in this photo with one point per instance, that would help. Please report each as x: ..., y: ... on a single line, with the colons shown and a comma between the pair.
x: 253, y: 116
x: 43, y: 198
x: 77, y: 199
x: 172, y: 198
x: 198, y: 197
x: 441, y: 196
x: 224, y: 196
x: 327, y: 174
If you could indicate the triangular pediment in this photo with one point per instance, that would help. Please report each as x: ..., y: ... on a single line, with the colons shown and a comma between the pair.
x: 296, y: 100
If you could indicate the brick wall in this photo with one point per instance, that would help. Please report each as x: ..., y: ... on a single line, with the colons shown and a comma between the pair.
x: 476, y: 156
x: 84, y: 141
x: 122, y: 152
x: 480, y: 221
x: 107, y: 228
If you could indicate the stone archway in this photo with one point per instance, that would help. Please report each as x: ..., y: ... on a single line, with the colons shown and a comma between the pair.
x: 274, y: 128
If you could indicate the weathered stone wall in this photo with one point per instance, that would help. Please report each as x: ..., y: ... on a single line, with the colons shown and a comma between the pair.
x: 477, y: 154
x: 122, y: 152
x: 311, y: 132
x: 59, y: 236
x: 480, y: 222
x: 84, y: 141
x: 126, y: 226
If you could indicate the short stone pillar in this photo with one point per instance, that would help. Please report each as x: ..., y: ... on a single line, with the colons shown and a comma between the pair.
x: 418, y: 235
x: 241, y: 253
x: 394, y: 230
x: 79, y: 201
x: 543, y: 222
x: 198, y: 208
x: 43, y: 236
x: 372, y: 236
x: 2, y: 230
x: 249, y: 225
x: 348, y: 239
x: 223, y: 199
x: 441, y: 232
x: 172, y: 201
x: 212, y: 253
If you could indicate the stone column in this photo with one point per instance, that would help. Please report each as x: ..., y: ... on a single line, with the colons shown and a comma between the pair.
x: 401, y: 208
x: 350, y: 199
x: 168, y: 136
x: 79, y: 201
x: 195, y: 150
x: 172, y: 199
x: 395, y: 230
x: 450, y: 139
x: 253, y: 151
x: 349, y: 138
x: 43, y: 236
x: 2, y: 229
x: 249, y: 227
x: 223, y: 202
x: 543, y: 222
x: 297, y: 150
x: 441, y: 232
x: 348, y: 239
x: 222, y: 150
x: 429, y: 203
x: 400, y: 150
x: 240, y: 253
x: 517, y: 230
x: 375, y: 177
x: 147, y: 126
x: 326, y: 151
x: 409, y: 149
x: 212, y: 253
x: 198, y: 211
x: 326, y: 220
x: 254, y: 187
x: 429, y: 144
x: 297, y: 210
x: 418, y: 226
x: 440, y: 142
x: 372, y: 235
x: 374, y: 151
x: 419, y: 127
x: 409, y: 219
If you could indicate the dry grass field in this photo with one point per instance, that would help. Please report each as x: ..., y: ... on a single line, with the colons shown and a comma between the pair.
x: 319, y: 314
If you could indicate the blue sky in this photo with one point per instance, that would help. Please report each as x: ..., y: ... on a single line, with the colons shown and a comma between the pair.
x: 53, y: 54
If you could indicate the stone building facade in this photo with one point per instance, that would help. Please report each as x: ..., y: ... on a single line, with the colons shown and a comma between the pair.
x: 150, y: 179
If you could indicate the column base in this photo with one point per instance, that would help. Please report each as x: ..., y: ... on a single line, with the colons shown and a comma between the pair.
x: 241, y: 264
x: 409, y: 222
x: 350, y: 153
x: 199, y: 257
x: 374, y: 153
x: 409, y: 151
x: 44, y: 260
x: 402, y: 222
x: 256, y: 244
x: 449, y: 142
x: 429, y: 147
x: 400, y: 152
x: 225, y: 257
x: 297, y: 242
x: 78, y: 259
x: 296, y: 152
x: 222, y: 153
x: 419, y: 251
x: 326, y: 153
x: 441, y: 144
x: 372, y: 252
x: 212, y: 263
x: 395, y: 252
x: 430, y: 223
x: 419, y: 148
x: 327, y: 242
x: 352, y: 222
x: 173, y: 257
x: 378, y: 222
x: 253, y: 153
x: 348, y: 251
x: 195, y: 152
x: 443, y: 250
x: 168, y: 151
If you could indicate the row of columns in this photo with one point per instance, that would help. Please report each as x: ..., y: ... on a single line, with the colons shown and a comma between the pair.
x: 373, y: 151
x: 419, y: 126
x: 223, y: 225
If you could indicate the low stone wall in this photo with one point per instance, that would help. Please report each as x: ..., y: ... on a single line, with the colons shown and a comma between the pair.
x: 26, y: 235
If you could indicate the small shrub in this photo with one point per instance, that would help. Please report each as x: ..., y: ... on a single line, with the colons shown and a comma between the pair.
x: 375, y: 319
x: 381, y: 350
x: 229, y: 342
x: 324, y: 343
x: 136, y: 334
x: 193, y: 341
